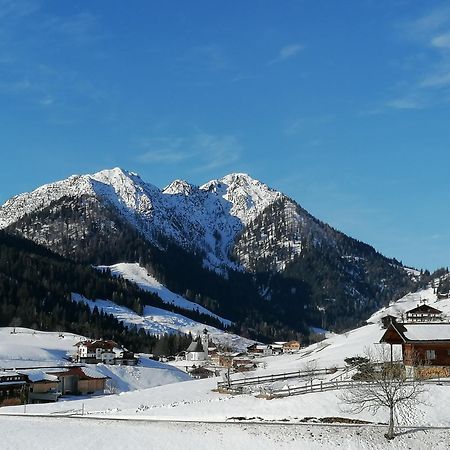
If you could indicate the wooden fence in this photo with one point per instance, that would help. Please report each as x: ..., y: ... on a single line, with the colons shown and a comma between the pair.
x: 240, y: 382
x: 325, y: 386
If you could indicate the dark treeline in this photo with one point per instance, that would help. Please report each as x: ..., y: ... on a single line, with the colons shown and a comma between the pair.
x: 35, y: 292
x: 89, y: 232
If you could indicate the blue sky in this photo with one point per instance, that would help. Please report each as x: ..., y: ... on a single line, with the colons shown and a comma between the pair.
x: 343, y: 105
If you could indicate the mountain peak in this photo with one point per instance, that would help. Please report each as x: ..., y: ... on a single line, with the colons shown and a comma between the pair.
x: 239, y: 177
x: 180, y: 187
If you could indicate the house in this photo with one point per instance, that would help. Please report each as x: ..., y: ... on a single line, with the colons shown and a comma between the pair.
x: 259, y: 349
x: 42, y: 387
x: 104, y: 351
x: 277, y: 347
x: 423, y: 313
x: 241, y: 364
x: 13, y: 388
x: 80, y: 380
x: 201, y: 373
x: 387, y: 320
x: 424, y: 345
x: 291, y: 347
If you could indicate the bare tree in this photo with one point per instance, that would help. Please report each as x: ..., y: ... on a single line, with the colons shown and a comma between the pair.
x: 384, y: 384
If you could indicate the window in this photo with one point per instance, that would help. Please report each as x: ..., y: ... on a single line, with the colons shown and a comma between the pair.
x: 431, y: 354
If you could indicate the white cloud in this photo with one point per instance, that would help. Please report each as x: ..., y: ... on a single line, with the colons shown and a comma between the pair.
x: 441, y: 41
x: 404, y: 103
x: 288, y: 51
x: 202, y: 151
x: 431, y: 33
x: 437, y: 80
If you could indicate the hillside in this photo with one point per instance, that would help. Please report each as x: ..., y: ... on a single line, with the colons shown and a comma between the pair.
x: 26, y: 348
x: 36, y: 291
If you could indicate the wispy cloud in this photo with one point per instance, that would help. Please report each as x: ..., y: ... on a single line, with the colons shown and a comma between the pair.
x: 204, y: 57
x: 431, y: 86
x: 405, y: 103
x: 441, y: 41
x: 287, y: 52
x: 17, y: 8
x: 30, y: 36
x: 202, y: 151
x: 301, y: 124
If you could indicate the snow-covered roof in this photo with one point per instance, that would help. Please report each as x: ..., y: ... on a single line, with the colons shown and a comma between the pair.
x: 35, y: 375
x: 8, y: 373
x: 195, y: 347
x: 427, y: 332
x: 92, y: 373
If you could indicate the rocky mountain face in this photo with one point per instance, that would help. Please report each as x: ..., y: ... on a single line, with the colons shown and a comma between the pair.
x: 272, y: 260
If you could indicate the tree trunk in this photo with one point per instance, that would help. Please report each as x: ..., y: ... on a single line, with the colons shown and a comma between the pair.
x: 390, y: 433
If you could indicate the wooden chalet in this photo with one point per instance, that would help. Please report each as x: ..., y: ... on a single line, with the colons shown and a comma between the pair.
x: 291, y: 347
x: 202, y: 372
x: 80, y: 380
x: 42, y: 387
x: 13, y: 388
x: 423, y: 313
x: 424, y: 337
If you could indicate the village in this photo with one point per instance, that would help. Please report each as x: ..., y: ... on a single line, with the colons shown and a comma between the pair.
x: 422, y: 333
x: 80, y: 377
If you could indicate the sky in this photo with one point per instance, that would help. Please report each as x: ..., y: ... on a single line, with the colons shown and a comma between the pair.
x: 342, y: 105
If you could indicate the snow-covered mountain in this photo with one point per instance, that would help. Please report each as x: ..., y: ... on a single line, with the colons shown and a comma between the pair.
x: 311, y: 273
x: 206, y: 219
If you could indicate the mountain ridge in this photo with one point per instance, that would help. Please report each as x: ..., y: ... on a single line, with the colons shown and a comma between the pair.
x: 230, y: 226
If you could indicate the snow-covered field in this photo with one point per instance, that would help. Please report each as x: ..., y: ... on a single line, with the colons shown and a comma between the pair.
x: 151, y: 418
x: 29, y: 348
x: 38, y: 433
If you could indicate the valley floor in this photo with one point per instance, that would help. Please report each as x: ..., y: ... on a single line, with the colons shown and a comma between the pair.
x: 37, y: 433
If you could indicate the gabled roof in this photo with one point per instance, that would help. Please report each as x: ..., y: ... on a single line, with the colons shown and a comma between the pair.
x: 36, y: 375
x: 195, y: 347
x: 428, y: 332
x: 84, y: 373
x: 416, y: 332
x: 424, y: 309
x: 98, y: 343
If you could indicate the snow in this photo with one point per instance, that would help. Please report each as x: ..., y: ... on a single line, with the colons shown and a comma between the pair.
x: 139, y: 275
x: 159, y: 321
x: 428, y: 332
x: 38, y: 433
x: 192, y: 415
x: 410, y: 301
x: 207, y: 218
x: 38, y: 375
x: 27, y: 348
x: 30, y: 348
